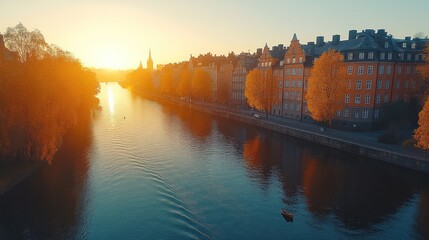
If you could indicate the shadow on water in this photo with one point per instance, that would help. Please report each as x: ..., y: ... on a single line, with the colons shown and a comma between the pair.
x: 353, y: 192
x: 57, y: 210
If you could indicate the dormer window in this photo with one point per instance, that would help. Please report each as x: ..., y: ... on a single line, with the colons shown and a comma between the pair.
x: 288, y: 60
x: 361, y: 55
x: 404, y: 45
x: 413, y: 45
x: 371, y: 55
x: 350, y: 56
x: 386, y: 45
x: 293, y: 60
x: 300, y: 59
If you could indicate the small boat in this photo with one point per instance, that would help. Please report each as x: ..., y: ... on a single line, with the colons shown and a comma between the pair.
x: 287, y: 215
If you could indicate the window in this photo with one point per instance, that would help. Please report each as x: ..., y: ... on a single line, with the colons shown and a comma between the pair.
x: 376, y: 113
x: 347, y: 98
x: 381, y: 69
x: 269, y: 64
x: 293, y: 72
x: 367, y: 99
x: 292, y: 95
x: 409, y: 56
x: 298, y: 107
x: 401, y: 56
x: 389, y: 56
x: 365, y: 113
x: 408, y: 70
x: 368, y: 84
x: 356, y: 114
x: 361, y: 55
x: 379, y: 83
x: 280, y: 83
x: 386, y: 98
x: 350, y: 70
x: 413, y: 45
x: 286, y: 106
x: 357, y: 98
x: 287, y: 83
x: 298, y: 95
x: 387, y: 84
x: 389, y: 69
x: 286, y: 94
x: 386, y: 45
x: 300, y: 60
x: 406, y: 84
x: 350, y: 56
x: 378, y: 98
x: 382, y: 56
x: 346, y: 112
x: 299, y: 83
x: 299, y: 71
x: 292, y: 84
x: 370, y: 69
x: 396, y: 97
x: 339, y: 113
x: 350, y: 84
x: 287, y: 72
x: 293, y: 60
x: 360, y: 70
x: 371, y: 55
x: 291, y: 106
x: 398, y: 84
x: 358, y: 84
x: 399, y: 69
x: 404, y: 45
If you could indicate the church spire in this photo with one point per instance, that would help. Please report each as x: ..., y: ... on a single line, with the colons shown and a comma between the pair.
x: 150, y: 62
x: 294, y: 37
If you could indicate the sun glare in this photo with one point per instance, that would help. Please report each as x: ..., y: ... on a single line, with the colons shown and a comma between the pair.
x: 111, y: 101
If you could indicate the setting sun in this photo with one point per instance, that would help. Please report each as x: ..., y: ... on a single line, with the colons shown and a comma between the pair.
x: 110, y: 57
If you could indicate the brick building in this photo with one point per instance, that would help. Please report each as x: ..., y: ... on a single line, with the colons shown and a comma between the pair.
x: 380, y: 68
x: 245, y: 64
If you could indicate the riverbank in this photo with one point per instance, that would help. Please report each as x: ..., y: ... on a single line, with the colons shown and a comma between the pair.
x: 12, y: 173
x: 360, y: 143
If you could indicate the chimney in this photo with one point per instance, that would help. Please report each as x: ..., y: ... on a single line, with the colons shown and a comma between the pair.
x: 408, y: 38
x: 319, y: 41
x: 335, y: 39
x: 352, y: 34
x: 281, y: 47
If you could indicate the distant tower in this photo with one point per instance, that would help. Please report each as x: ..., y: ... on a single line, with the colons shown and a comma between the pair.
x: 150, y: 62
x: 140, y: 66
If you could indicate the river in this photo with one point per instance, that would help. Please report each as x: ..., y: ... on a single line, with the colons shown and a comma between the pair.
x: 145, y: 170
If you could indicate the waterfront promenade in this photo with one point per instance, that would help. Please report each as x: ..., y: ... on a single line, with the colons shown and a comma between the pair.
x: 360, y: 143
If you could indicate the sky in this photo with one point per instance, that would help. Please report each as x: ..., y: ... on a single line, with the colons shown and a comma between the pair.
x: 119, y: 34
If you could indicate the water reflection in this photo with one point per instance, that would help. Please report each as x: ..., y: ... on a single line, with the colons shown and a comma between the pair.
x: 354, y: 193
x: 56, y: 211
x: 111, y: 100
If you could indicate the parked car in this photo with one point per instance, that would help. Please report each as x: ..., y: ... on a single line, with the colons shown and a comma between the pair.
x: 257, y: 115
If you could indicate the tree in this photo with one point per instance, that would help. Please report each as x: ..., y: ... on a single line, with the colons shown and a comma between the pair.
x: 28, y: 45
x: 421, y: 134
x: 184, y: 86
x: 327, y: 86
x: 261, y: 91
x: 201, y: 85
x: 167, y: 81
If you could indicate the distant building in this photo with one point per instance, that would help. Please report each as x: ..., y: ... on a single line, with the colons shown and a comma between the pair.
x: 245, y: 64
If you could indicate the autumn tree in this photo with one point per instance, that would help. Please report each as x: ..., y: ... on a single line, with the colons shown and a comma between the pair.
x: 167, y: 81
x: 327, y: 86
x: 28, y: 44
x: 184, y: 87
x: 261, y: 91
x: 201, y: 85
x: 421, y: 134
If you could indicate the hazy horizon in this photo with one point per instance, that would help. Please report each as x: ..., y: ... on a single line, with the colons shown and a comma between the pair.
x: 109, y: 34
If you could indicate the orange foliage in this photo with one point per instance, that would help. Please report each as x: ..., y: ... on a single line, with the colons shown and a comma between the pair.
x: 327, y: 86
x: 201, y: 85
x: 261, y: 91
x: 421, y: 134
x: 424, y: 69
x: 40, y: 100
x: 184, y: 86
x: 167, y: 81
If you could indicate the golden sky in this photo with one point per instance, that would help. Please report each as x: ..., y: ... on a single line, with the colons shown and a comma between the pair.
x: 118, y: 34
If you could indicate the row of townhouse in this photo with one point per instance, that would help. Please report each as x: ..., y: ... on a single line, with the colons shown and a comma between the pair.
x: 380, y: 68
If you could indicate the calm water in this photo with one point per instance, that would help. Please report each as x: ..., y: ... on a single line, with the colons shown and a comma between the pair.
x: 165, y: 172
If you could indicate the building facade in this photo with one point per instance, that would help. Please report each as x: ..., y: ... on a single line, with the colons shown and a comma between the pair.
x: 245, y: 64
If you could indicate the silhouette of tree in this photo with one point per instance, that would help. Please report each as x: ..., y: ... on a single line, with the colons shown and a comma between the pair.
x: 184, y: 86
x: 201, y: 85
x: 260, y: 90
x: 28, y: 44
x: 326, y: 86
